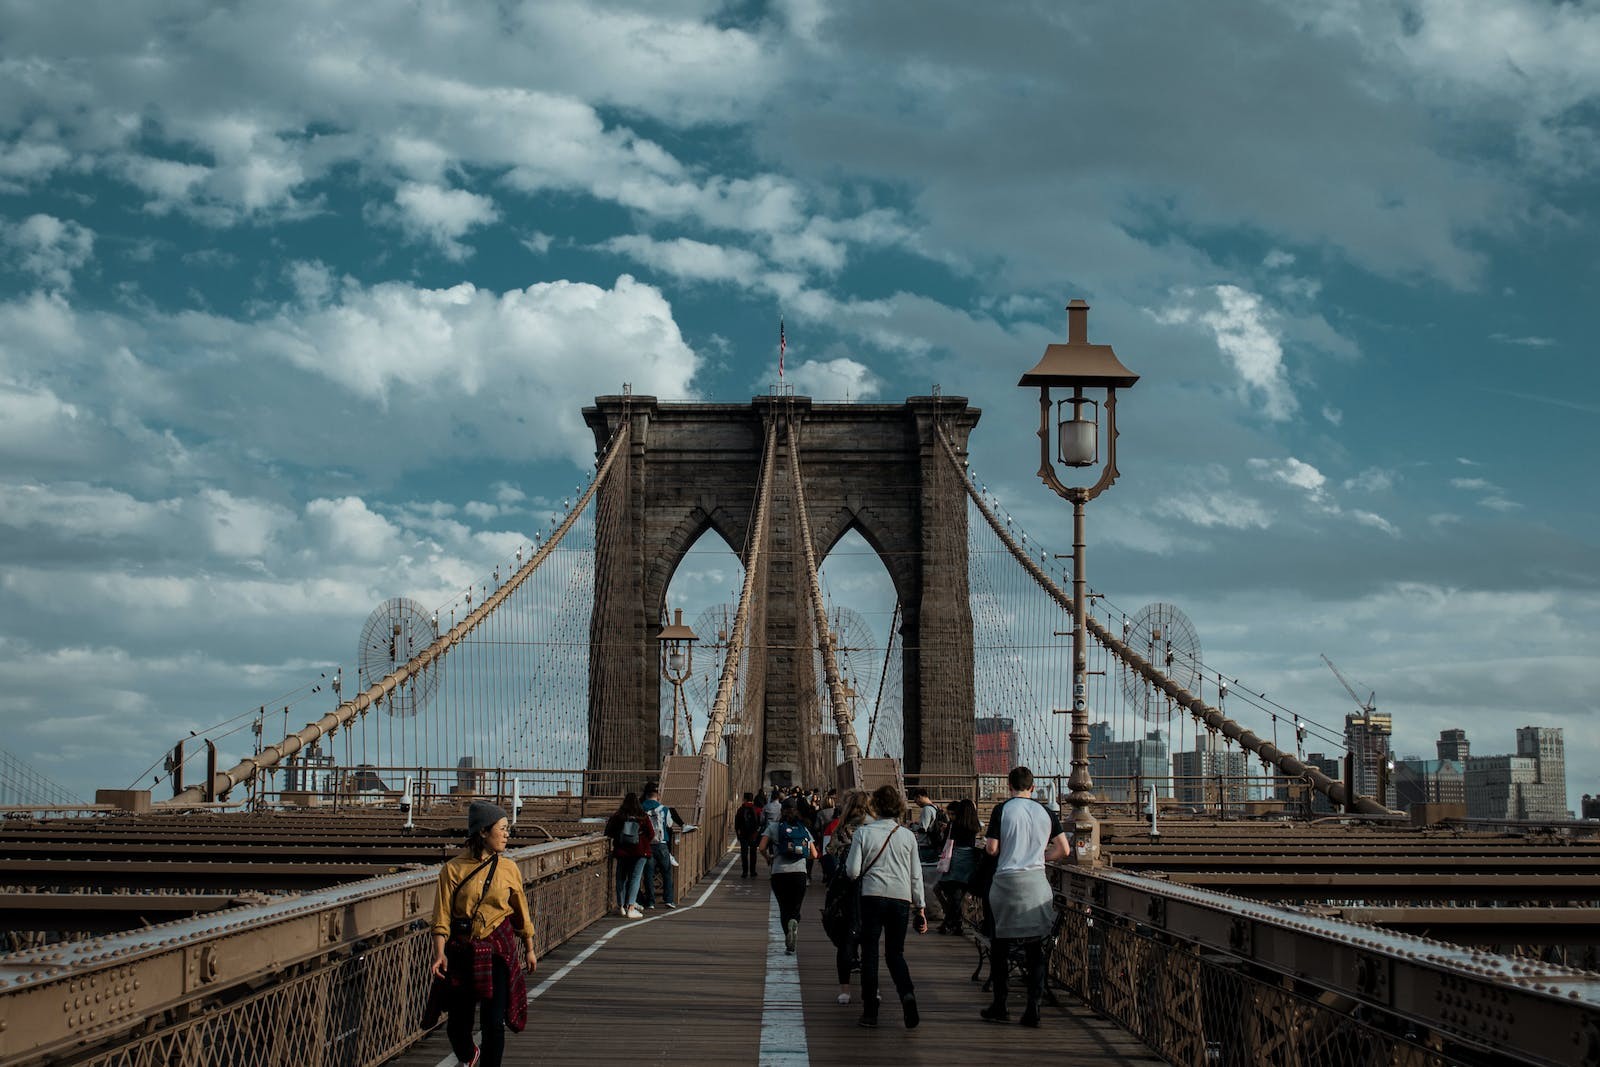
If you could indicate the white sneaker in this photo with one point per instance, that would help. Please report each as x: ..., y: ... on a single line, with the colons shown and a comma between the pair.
x: 844, y: 998
x: 633, y: 912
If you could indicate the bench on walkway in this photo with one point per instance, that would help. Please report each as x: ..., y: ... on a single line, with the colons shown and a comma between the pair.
x: 972, y: 924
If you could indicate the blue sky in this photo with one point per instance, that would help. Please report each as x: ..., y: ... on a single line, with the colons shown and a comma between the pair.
x: 299, y: 304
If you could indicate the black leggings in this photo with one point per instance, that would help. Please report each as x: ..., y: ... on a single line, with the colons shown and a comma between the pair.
x: 492, y: 1013
x: 790, y: 889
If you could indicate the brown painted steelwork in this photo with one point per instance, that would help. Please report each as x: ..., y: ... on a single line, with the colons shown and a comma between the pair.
x: 115, y: 986
x: 1207, y: 977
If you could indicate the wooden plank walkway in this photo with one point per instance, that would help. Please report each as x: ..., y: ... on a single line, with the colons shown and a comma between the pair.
x: 693, y: 986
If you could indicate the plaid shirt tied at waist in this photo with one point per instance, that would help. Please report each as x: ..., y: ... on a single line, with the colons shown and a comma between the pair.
x: 483, y: 951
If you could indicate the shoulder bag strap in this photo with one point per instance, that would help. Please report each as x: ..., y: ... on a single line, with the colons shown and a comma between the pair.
x: 886, y: 839
x: 490, y: 863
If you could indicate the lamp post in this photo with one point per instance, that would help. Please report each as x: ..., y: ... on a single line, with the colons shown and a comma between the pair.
x: 1079, y: 366
x: 677, y: 663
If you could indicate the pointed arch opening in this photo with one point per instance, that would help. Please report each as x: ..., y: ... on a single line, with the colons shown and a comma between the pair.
x: 859, y: 588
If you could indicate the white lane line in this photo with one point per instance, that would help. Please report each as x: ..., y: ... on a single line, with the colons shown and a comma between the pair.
x: 568, y: 967
x: 783, y: 1017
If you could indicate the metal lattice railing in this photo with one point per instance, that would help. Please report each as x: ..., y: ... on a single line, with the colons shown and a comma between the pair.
x: 1207, y: 979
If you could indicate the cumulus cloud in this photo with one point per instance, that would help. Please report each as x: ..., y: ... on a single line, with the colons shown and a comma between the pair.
x: 834, y: 379
x: 47, y: 248
x: 443, y: 216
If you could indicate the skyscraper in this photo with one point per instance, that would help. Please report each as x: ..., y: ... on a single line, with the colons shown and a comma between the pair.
x: 1453, y: 745
x: 1366, y: 738
x: 1547, y: 797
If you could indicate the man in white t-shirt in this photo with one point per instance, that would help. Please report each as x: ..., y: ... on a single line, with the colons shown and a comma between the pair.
x: 1023, y: 835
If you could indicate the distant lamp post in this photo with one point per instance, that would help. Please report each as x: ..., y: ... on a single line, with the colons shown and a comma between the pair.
x: 1074, y: 428
x: 677, y: 663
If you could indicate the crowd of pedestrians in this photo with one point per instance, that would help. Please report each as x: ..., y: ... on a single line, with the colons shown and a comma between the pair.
x: 871, y: 850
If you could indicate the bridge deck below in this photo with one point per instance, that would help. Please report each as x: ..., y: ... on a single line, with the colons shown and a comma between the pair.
x: 693, y: 986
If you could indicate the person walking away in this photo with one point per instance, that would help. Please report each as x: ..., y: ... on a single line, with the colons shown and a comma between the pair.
x: 808, y: 819
x: 841, y: 899
x: 1023, y: 835
x: 631, y: 837
x: 924, y: 815
x: 883, y: 857
x: 747, y: 828
x: 960, y: 860
x: 773, y: 812
x: 662, y: 820
x: 479, y: 906
x: 790, y: 847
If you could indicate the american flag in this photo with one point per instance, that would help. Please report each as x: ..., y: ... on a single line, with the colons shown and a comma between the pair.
x: 781, y: 346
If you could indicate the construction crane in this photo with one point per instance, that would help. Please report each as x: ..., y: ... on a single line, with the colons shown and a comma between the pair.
x: 1368, y: 707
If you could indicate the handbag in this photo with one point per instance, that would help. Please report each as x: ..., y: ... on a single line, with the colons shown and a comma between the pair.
x: 943, y: 866
x: 841, y: 908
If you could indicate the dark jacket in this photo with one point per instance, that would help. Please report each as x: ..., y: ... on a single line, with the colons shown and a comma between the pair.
x: 640, y: 848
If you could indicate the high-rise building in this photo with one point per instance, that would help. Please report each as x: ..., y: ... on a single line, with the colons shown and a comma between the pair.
x: 1211, y: 776
x: 1131, y: 767
x: 1590, y: 807
x: 1495, y: 786
x: 994, y: 745
x: 1454, y: 746
x: 1366, y: 738
x: 1427, y: 781
x: 1548, y: 798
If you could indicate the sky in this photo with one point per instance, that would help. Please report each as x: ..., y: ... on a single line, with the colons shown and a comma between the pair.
x: 300, y: 303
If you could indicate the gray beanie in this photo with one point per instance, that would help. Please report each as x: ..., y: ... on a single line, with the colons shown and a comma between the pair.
x: 481, y: 815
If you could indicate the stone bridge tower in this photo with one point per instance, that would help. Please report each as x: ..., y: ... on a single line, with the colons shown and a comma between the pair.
x: 875, y: 468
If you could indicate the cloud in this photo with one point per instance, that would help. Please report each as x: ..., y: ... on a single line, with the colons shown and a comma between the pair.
x: 834, y: 379
x: 1245, y: 332
x: 1372, y: 480
x: 1230, y: 511
x: 1525, y: 342
x: 442, y: 216
x: 47, y: 248
x: 1295, y: 473
x: 688, y: 260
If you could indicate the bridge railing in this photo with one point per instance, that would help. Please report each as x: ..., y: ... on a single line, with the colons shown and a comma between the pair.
x: 585, y: 792
x: 1205, y: 978
x: 347, y: 967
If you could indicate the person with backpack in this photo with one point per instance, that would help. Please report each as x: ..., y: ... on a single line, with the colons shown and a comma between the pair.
x: 631, y: 835
x: 480, y: 904
x: 662, y: 819
x: 841, y: 905
x: 926, y: 825
x: 883, y: 858
x: 747, y: 828
x: 790, y: 847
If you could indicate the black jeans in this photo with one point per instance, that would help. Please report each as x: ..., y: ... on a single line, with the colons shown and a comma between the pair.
x: 1000, y: 968
x: 790, y: 889
x: 882, y: 917
x: 492, y: 1018
x: 747, y: 858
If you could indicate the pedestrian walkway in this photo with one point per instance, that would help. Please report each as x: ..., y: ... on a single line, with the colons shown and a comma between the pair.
x: 709, y: 984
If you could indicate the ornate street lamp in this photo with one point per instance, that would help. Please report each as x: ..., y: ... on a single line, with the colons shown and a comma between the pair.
x: 1075, y: 430
x: 677, y: 663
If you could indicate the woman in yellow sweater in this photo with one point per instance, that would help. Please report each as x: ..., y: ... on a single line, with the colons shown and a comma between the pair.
x: 480, y: 903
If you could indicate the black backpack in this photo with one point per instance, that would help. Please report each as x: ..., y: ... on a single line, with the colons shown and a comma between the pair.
x: 628, y: 832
